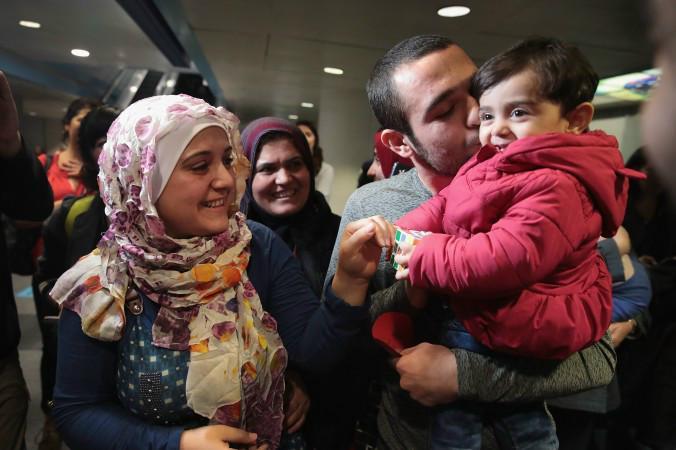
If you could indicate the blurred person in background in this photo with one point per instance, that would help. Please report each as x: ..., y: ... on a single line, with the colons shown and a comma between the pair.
x: 386, y: 163
x: 324, y: 172
x: 26, y: 195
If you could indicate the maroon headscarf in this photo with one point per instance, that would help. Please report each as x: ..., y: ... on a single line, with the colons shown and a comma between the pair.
x: 387, y: 157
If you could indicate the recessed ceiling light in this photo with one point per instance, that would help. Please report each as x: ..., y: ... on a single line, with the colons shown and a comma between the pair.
x: 133, y: 88
x: 293, y: 117
x: 171, y: 83
x: 333, y: 70
x: 307, y: 105
x: 79, y: 52
x: 453, y: 11
x: 29, y: 24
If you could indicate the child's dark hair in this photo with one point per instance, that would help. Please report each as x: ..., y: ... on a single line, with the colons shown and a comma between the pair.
x: 563, y: 73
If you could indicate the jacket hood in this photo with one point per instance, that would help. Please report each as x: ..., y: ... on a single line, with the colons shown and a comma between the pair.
x: 593, y: 158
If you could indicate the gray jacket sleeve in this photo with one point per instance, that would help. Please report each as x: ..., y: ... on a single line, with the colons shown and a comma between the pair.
x: 506, y: 379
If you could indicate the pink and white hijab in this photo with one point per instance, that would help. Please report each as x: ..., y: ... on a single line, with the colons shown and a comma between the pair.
x: 207, y: 303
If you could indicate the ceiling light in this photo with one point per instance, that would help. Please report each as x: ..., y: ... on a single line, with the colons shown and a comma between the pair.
x: 171, y: 83
x: 293, y: 117
x: 29, y: 24
x: 453, y: 11
x: 333, y: 70
x: 133, y: 88
x: 79, y: 52
x: 307, y: 105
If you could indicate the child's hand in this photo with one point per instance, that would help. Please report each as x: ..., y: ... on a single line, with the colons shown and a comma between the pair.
x: 404, y: 253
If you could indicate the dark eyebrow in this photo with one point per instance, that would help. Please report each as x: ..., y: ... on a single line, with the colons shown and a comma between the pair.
x: 274, y: 163
x: 205, y: 153
x: 197, y: 155
x: 525, y: 101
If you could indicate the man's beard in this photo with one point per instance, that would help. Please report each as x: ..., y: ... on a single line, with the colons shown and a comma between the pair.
x: 442, y: 164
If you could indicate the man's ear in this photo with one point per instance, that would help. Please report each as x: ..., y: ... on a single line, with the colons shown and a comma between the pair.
x: 397, y: 142
x: 580, y: 118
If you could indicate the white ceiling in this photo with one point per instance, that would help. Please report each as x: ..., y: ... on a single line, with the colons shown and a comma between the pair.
x: 268, y: 55
x: 41, y: 57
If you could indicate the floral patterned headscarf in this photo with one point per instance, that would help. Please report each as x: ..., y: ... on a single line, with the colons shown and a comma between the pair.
x: 207, y: 303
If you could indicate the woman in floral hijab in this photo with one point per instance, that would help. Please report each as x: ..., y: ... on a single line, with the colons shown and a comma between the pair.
x: 176, y: 330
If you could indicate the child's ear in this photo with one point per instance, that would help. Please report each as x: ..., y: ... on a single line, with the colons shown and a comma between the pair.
x: 580, y: 118
x: 397, y: 142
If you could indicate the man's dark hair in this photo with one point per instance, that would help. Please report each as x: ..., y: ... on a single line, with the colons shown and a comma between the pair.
x: 385, y: 101
x: 74, y: 108
x: 564, y: 75
x: 93, y: 127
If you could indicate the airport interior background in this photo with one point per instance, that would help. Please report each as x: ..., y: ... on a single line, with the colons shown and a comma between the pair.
x: 296, y: 59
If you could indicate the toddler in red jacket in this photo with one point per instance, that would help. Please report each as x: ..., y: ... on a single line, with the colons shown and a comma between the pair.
x: 513, y: 243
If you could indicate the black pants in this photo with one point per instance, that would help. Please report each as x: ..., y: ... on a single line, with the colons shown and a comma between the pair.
x: 13, y: 403
x: 48, y: 329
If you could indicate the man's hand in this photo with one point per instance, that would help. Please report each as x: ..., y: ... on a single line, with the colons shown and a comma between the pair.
x: 296, y: 402
x: 429, y: 373
x: 620, y: 330
x: 10, y: 139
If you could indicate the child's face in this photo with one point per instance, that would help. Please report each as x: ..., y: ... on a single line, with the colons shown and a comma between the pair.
x: 512, y: 110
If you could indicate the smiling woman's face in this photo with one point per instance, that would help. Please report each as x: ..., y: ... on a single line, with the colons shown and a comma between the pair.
x: 281, y: 184
x: 197, y: 197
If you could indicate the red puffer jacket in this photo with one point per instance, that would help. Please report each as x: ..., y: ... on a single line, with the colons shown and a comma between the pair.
x: 518, y: 249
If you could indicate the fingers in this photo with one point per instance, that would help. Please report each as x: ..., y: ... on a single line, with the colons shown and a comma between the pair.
x: 295, y: 417
x: 406, y: 351
x: 401, y: 274
x: 296, y: 422
x: 234, y: 435
x: 375, y: 226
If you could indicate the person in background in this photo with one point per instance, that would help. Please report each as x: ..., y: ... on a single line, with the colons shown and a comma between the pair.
x: 581, y: 419
x: 24, y: 194
x: 660, y: 109
x: 64, y: 172
x: 364, y: 177
x: 386, y: 163
x: 645, y: 366
x: 176, y: 331
x: 77, y: 225
x: 324, y: 172
x: 64, y: 245
x: 65, y: 165
x: 660, y: 137
x: 281, y: 194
